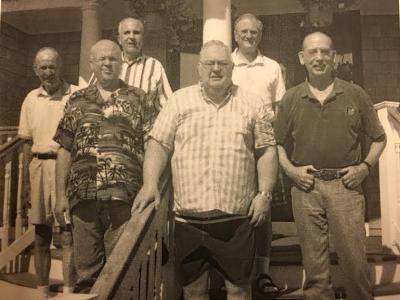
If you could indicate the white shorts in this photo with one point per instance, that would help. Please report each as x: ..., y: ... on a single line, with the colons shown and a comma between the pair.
x: 43, y: 191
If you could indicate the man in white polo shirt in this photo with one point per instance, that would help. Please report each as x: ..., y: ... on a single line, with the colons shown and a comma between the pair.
x: 260, y: 75
x: 41, y: 111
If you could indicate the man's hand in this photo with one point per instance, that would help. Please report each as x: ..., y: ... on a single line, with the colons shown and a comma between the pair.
x: 146, y: 195
x: 354, y: 175
x: 61, y: 207
x: 302, y: 176
x: 259, y: 209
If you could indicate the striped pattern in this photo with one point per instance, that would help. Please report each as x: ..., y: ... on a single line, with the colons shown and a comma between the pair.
x: 213, y: 164
x: 148, y: 74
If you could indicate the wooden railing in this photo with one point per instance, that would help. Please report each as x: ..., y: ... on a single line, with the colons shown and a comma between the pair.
x: 15, y: 234
x: 7, y: 133
x: 134, y: 268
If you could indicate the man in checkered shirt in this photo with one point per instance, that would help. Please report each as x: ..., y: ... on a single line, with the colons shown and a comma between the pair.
x: 224, y: 167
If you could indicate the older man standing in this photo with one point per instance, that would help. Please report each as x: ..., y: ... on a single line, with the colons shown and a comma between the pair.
x: 254, y: 71
x: 140, y: 70
x: 224, y: 167
x: 260, y: 75
x: 102, y: 137
x: 325, y: 118
x: 41, y: 111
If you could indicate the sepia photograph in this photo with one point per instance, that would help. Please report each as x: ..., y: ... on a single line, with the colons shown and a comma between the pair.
x: 199, y: 149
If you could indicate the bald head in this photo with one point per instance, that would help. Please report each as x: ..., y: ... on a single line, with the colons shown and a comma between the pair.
x: 105, y: 61
x: 104, y: 45
x: 47, y: 67
x: 47, y: 52
x: 318, y: 37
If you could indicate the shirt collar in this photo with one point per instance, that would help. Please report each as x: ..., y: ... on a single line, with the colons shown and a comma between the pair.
x: 230, y: 92
x: 65, y: 89
x: 138, y: 59
x: 306, y: 93
x: 240, y: 61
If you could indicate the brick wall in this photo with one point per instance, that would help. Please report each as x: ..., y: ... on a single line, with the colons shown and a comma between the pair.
x: 381, y: 56
x: 14, y: 65
x: 17, y: 50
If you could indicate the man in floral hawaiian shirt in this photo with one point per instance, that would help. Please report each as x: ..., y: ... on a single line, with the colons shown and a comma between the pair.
x: 102, y: 136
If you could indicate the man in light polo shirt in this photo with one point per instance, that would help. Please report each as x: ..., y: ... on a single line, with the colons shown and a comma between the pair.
x: 325, y: 117
x: 224, y: 167
x: 41, y: 111
x: 260, y: 75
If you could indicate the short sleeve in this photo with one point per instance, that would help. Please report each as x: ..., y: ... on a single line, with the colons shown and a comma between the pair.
x: 165, y: 126
x: 371, y: 124
x: 66, y: 129
x: 24, y: 128
x: 165, y: 90
x: 282, y: 123
x: 263, y: 130
x: 279, y: 86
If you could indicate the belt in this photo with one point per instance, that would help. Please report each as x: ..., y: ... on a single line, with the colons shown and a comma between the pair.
x: 45, y: 155
x: 327, y: 174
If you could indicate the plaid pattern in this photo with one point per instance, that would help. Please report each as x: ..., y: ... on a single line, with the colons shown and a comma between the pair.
x: 106, y: 141
x: 148, y: 74
x: 213, y: 164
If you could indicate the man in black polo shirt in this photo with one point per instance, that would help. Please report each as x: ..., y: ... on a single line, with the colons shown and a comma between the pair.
x: 325, y: 118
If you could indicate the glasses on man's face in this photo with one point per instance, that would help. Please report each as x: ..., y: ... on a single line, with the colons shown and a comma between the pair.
x: 220, y: 63
x: 325, y: 52
x: 103, y: 59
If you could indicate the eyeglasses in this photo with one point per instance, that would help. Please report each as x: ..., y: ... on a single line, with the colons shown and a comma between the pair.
x: 220, y: 63
x: 103, y: 59
x: 314, y: 52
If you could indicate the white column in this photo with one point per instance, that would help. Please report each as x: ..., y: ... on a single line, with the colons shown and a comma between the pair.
x: 217, y: 21
x: 389, y: 178
x: 91, y: 33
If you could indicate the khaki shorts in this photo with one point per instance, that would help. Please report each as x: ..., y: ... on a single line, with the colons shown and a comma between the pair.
x: 43, y: 191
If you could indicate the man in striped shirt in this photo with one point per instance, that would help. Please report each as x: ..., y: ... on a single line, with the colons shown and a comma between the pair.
x: 224, y: 166
x: 140, y: 70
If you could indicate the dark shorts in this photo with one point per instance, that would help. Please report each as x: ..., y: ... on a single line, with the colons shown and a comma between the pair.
x: 226, y: 246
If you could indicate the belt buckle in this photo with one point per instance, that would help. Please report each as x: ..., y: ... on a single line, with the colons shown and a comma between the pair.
x: 328, y: 175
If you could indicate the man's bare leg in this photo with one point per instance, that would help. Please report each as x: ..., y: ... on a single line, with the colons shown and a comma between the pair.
x: 42, y: 257
x: 198, y: 289
x: 69, y: 273
x: 238, y: 292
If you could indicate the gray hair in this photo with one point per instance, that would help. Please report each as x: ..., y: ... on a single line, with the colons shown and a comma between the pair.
x: 129, y: 19
x: 217, y: 43
x: 48, y: 49
x: 250, y: 17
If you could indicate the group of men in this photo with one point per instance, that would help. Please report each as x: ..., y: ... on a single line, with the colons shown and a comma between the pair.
x: 109, y: 143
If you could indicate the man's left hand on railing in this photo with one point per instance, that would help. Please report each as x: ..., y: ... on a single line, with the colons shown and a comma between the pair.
x: 146, y: 195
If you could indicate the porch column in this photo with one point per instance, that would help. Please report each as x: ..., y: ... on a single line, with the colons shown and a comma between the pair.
x: 217, y: 21
x: 91, y: 33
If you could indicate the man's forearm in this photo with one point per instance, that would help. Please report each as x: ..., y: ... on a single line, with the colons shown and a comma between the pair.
x: 63, y: 164
x: 284, y: 161
x: 155, y: 160
x: 375, y: 152
x: 267, y: 169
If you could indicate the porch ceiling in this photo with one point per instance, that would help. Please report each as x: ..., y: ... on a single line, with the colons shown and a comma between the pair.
x: 49, y: 16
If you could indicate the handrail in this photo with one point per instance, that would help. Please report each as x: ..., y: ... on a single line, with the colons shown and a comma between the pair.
x: 133, y: 270
x: 7, y: 132
x: 13, y: 176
